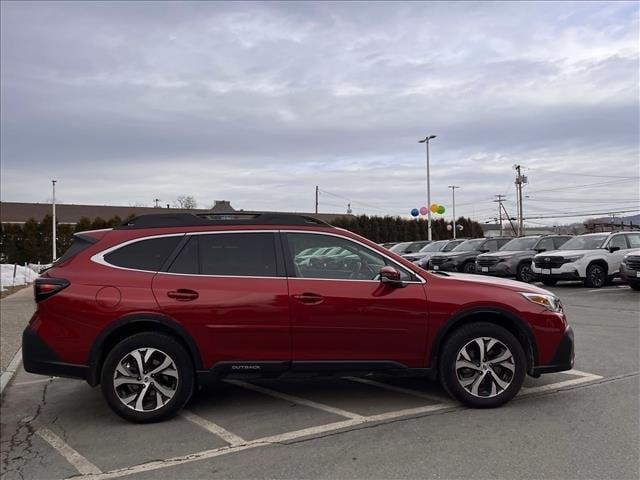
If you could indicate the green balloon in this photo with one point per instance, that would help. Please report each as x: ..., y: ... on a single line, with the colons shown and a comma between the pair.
x: 440, y: 209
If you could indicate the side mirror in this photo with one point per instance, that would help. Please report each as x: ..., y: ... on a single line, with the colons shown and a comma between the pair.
x: 613, y: 249
x: 390, y: 276
x: 485, y: 250
x: 540, y: 250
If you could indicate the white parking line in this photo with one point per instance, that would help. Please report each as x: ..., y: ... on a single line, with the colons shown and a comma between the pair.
x: 583, y: 378
x: 354, y: 420
x: 229, y: 437
x: 33, y: 382
x: 84, y: 466
x: 298, y: 400
x: 393, y: 388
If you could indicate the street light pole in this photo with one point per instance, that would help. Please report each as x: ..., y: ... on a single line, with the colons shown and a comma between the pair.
x: 426, y: 142
x: 453, y: 193
x: 53, y: 238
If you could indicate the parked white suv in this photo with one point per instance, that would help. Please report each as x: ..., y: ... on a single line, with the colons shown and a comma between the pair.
x: 593, y: 258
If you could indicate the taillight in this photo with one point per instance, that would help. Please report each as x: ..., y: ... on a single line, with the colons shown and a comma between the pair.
x: 45, y: 287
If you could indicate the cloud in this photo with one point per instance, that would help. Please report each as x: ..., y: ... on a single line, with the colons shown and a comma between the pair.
x: 260, y: 102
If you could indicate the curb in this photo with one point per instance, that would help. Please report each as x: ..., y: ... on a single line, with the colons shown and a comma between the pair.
x: 6, y: 377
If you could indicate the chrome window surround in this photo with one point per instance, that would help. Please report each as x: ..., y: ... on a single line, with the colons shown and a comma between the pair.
x: 99, y: 257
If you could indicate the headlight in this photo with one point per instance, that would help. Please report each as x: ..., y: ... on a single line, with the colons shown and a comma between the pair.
x: 550, y: 302
x: 573, y: 258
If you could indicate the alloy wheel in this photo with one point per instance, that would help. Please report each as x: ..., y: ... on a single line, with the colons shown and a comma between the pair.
x: 145, y: 379
x: 485, y: 367
x: 525, y: 273
x: 596, y: 275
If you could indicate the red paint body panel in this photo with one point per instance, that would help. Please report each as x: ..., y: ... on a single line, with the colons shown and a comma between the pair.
x: 257, y: 318
x: 359, y: 320
x: 232, y: 318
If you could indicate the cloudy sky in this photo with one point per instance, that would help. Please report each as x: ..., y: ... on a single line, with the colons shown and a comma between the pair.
x: 259, y: 102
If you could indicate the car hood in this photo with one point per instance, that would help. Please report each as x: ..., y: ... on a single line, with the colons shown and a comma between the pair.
x: 455, y: 254
x: 497, y: 282
x: 564, y: 253
x: 506, y: 254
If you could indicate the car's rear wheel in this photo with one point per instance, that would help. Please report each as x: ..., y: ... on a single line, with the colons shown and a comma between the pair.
x: 147, y: 377
x: 549, y: 282
x: 483, y: 365
x: 596, y: 276
x: 635, y: 286
x: 524, y: 273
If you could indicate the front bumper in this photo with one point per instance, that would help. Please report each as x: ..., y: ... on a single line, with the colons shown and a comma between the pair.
x: 568, y: 271
x: 628, y: 275
x: 501, y: 269
x: 38, y: 357
x: 563, y: 359
x: 446, y: 267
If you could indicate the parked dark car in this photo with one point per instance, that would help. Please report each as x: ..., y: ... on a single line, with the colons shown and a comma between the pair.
x: 463, y: 257
x: 430, y: 250
x: 409, y: 247
x: 515, y: 257
x: 630, y: 269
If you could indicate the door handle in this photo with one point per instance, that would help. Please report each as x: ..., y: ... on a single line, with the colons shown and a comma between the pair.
x: 182, y: 294
x: 309, y: 298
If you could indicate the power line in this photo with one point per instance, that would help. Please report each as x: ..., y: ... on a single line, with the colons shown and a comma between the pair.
x: 610, y: 182
x: 585, y: 214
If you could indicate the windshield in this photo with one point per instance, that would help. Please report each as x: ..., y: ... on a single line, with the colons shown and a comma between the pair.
x: 451, y: 245
x: 399, y: 247
x: 435, y: 246
x: 517, y: 244
x: 469, y: 245
x: 585, y: 242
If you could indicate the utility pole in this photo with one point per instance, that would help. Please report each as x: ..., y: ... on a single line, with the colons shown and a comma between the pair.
x: 317, y: 193
x: 499, y: 199
x: 157, y: 202
x: 453, y: 193
x: 520, y: 180
x: 53, y: 237
x: 426, y: 142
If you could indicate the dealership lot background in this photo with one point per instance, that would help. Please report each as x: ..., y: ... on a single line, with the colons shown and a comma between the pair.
x: 577, y: 424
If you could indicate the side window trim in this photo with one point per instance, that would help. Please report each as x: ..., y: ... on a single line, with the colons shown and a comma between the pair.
x: 171, y: 258
x: 291, y: 270
x: 99, y: 257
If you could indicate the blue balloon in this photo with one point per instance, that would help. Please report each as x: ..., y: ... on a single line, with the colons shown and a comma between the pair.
x: 415, y: 212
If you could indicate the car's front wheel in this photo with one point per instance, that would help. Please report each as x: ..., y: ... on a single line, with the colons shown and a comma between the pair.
x: 524, y: 273
x: 596, y: 276
x: 483, y: 365
x: 469, y: 267
x: 147, y: 377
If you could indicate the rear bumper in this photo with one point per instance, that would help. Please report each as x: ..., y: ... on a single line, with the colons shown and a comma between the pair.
x: 38, y: 357
x: 563, y: 359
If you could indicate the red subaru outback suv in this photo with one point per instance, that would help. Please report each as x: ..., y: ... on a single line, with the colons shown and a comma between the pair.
x: 153, y: 307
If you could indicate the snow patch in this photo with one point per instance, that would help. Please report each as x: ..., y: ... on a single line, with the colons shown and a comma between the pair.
x: 23, y: 275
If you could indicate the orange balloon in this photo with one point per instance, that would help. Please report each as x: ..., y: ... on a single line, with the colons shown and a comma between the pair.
x: 434, y: 208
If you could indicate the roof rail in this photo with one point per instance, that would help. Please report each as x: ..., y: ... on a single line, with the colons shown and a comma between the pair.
x: 160, y: 220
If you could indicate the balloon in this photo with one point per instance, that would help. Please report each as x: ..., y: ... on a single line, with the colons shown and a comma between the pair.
x: 415, y: 212
x: 434, y: 208
x: 449, y: 228
x: 440, y: 209
x: 423, y: 210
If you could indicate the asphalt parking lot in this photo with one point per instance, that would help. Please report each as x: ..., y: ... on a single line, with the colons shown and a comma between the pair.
x: 578, y: 424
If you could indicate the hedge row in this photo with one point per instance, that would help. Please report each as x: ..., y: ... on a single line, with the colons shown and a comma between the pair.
x: 31, y: 242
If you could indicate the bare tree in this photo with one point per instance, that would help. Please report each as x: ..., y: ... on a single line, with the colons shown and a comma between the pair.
x: 186, y: 202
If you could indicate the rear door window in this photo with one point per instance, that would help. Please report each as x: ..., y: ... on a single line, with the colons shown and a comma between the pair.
x: 148, y: 255
x: 237, y: 254
x: 634, y: 240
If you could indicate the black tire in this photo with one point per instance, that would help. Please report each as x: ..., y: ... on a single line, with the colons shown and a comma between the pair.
x: 469, y: 267
x: 465, y: 335
x: 596, y: 276
x: 635, y: 286
x: 524, y: 273
x: 182, y: 387
x: 549, y: 282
